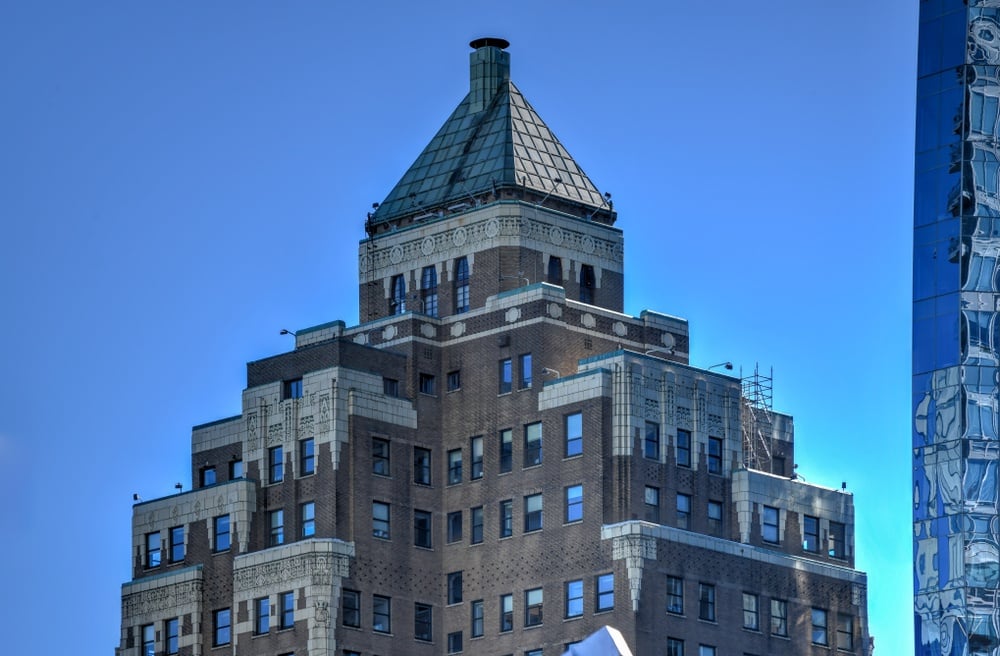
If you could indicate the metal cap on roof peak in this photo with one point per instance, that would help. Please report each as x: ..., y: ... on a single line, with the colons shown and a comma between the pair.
x: 489, y: 69
x: 489, y: 41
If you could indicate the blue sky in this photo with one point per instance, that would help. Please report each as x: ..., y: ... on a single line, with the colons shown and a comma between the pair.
x: 179, y: 181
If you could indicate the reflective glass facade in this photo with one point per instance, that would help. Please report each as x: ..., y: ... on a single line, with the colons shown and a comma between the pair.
x: 956, y: 329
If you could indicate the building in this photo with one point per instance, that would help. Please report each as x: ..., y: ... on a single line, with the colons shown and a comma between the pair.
x: 497, y: 460
x: 956, y: 296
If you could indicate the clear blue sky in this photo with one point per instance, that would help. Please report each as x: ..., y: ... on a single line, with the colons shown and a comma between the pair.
x: 179, y: 181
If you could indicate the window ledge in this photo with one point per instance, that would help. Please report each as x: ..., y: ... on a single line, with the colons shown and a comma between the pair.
x: 575, y: 618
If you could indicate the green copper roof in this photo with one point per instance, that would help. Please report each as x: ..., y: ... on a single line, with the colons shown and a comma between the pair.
x: 494, y: 139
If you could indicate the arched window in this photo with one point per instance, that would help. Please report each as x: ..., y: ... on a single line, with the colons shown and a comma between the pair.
x: 587, y: 284
x: 398, y: 305
x: 429, y: 290
x: 555, y: 270
x: 461, y: 285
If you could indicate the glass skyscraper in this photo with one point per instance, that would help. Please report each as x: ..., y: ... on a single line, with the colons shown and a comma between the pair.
x: 956, y: 329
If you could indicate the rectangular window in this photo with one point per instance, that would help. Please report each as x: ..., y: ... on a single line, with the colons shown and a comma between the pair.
x: 769, y: 525
x: 171, y: 635
x: 476, y: 451
x: 291, y: 389
x: 819, y: 627
x: 277, y: 523
x: 207, y: 476
x: 574, y: 435
x: 810, y: 533
x: 651, y: 443
x: 675, y: 647
x: 380, y: 520
x: 587, y: 284
x: 423, y: 627
x: 714, y: 455
x: 533, y: 607
x: 455, y: 526
x: 397, y: 305
x: 454, y: 466
x: 604, y: 593
x: 683, y: 447
x: 706, y: 650
x: 505, y: 375
x: 307, y: 457
x: 476, y: 520
x: 427, y: 384
x: 148, y: 640
x: 221, y: 625
x: 477, y: 619
x: 461, y: 285
x: 506, y: 450
x: 751, y: 614
x: 838, y: 542
x: 506, y: 518
x: 715, y: 517
x: 845, y: 632
x: 779, y: 617
x: 533, y: 444
x: 262, y: 615
x: 154, y: 549
x: 454, y: 380
x: 276, y: 464
x: 235, y: 469
x: 428, y: 290
x: 525, y: 362
x: 380, y: 457
x: 220, y: 530
x: 390, y: 387
x: 307, y: 519
x: 574, y: 598
x: 675, y: 595
x: 351, y: 606
x: 506, y: 613
x: 454, y: 587
x: 454, y: 642
x: 683, y: 510
x: 706, y: 602
x: 381, y: 614
x: 421, y: 466
x: 422, y: 529
x: 574, y: 504
x: 287, y: 608
x: 532, y: 513
x: 651, y: 498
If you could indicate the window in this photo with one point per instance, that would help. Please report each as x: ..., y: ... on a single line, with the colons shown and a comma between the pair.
x: 751, y: 615
x: 287, y: 610
x: 506, y: 613
x: 810, y: 533
x: 675, y: 647
x: 506, y: 518
x: 455, y: 526
x: 423, y: 622
x: 351, y: 606
x: 651, y: 497
x: 574, y: 435
x: 837, y: 540
x: 506, y: 450
x: 587, y: 284
x: 779, y: 617
x: 683, y: 510
x: 533, y: 652
x: 461, y: 285
x: 291, y: 389
x: 476, y: 450
x: 714, y: 455
x: 235, y: 469
x: 390, y: 387
x: 554, y: 274
x: 533, y: 607
x: 476, y: 519
x: 380, y: 520
x: 262, y: 615
x: 574, y: 598
x: 819, y: 626
x: 221, y: 624
x: 604, y: 593
x: 427, y: 384
x: 706, y: 650
x: 220, y: 529
x: 533, y: 444
x: 477, y: 619
x: 706, y: 602
x: 574, y: 503
x: 276, y: 462
x: 675, y: 595
x: 683, y: 447
x: 381, y: 614
x: 454, y: 642
x: 380, y: 457
x: 421, y: 466
x: 277, y: 535
x: 171, y: 635
x: 429, y: 290
x: 307, y: 457
x: 207, y: 476
x: 845, y: 631
x: 525, y: 362
x: 154, y: 549
x: 715, y: 517
x: 455, y: 588
x: 532, y: 513
x: 398, y: 303
x: 454, y: 466
x: 422, y: 529
x: 307, y: 519
x: 651, y: 443
x: 454, y: 380
x: 505, y: 375
x: 769, y: 527
x: 148, y: 640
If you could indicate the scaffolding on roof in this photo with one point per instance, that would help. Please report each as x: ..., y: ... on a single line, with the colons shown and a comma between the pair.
x: 758, y: 424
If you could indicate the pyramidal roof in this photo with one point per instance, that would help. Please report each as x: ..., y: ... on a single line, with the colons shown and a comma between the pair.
x: 494, y: 139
